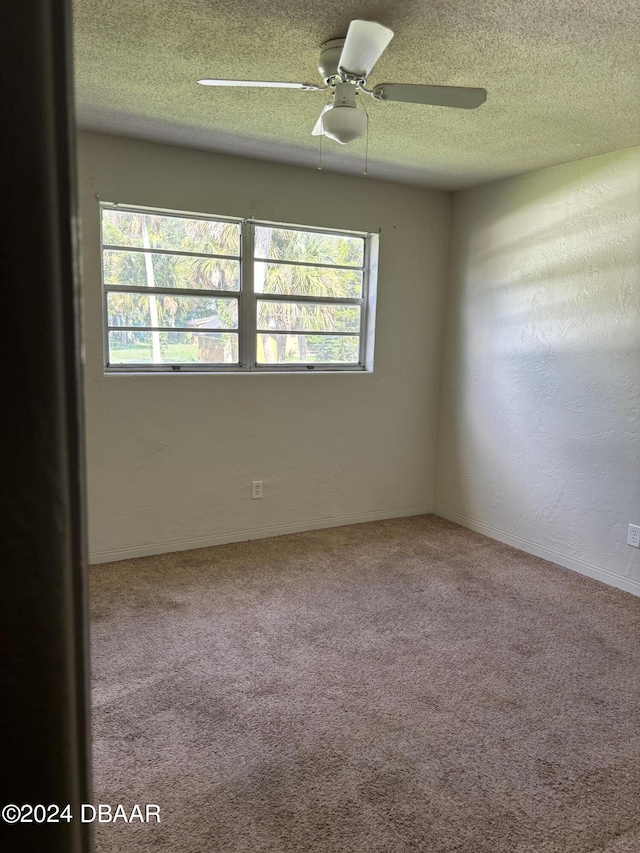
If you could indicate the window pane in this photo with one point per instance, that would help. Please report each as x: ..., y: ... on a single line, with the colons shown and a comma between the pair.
x: 124, y: 228
x: 173, y: 348
x: 306, y: 349
x: 309, y: 246
x: 308, y: 317
x: 130, y: 268
x: 199, y: 312
x: 307, y: 281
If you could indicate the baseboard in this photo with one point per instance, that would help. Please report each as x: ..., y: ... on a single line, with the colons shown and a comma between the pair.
x: 581, y: 566
x: 149, y: 550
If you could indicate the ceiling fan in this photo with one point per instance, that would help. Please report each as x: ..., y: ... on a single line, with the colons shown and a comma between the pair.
x: 345, y: 64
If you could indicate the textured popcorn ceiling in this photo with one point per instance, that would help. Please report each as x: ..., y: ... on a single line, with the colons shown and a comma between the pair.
x: 563, y: 81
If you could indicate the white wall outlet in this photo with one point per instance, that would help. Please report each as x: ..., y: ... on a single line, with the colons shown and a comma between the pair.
x: 256, y: 489
x: 633, y: 538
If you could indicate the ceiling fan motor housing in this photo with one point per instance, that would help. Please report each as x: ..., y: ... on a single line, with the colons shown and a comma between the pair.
x: 330, y: 53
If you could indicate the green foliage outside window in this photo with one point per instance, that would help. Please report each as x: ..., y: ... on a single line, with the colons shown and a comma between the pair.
x: 182, y: 314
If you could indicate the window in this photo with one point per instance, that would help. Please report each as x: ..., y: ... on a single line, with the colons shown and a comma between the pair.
x: 185, y: 292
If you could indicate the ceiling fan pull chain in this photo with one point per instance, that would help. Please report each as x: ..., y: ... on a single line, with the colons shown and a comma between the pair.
x: 320, y: 160
x: 366, y: 145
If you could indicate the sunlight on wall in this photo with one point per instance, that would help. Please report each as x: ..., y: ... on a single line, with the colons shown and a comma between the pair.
x: 539, y: 405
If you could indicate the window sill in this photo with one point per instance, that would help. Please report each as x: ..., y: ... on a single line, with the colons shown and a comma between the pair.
x: 356, y: 371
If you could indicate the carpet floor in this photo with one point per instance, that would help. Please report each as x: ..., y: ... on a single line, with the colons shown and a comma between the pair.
x: 402, y: 685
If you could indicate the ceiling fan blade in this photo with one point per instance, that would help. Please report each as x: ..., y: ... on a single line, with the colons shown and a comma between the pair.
x: 365, y: 43
x: 269, y: 84
x: 318, y: 129
x: 437, y: 96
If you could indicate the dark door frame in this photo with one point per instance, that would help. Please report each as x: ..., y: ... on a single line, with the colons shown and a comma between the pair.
x: 44, y: 752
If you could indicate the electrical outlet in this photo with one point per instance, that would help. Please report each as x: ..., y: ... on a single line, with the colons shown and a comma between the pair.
x: 256, y: 489
x: 633, y: 538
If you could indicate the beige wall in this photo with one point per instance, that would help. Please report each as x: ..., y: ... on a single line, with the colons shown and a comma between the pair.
x: 539, y: 427
x: 171, y: 457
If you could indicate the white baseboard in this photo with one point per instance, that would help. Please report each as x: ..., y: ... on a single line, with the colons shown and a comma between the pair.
x: 148, y: 550
x: 581, y: 566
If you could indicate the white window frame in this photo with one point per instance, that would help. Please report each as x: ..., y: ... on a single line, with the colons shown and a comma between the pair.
x: 248, y: 299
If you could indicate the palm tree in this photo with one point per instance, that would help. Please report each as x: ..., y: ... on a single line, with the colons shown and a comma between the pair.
x: 294, y: 280
x: 126, y: 228
x: 285, y: 319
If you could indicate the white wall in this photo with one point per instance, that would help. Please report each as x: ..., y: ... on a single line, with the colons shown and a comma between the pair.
x: 171, y: 457
x: 539, y: 425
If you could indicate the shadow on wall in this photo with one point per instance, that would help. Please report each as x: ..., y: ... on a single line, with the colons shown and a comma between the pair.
x: 539, y: 411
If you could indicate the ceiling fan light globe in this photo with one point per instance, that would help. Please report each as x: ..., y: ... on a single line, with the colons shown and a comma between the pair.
x: 344, y: 123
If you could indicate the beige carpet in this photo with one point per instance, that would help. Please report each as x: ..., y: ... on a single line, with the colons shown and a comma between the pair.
x: 405, y: 685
